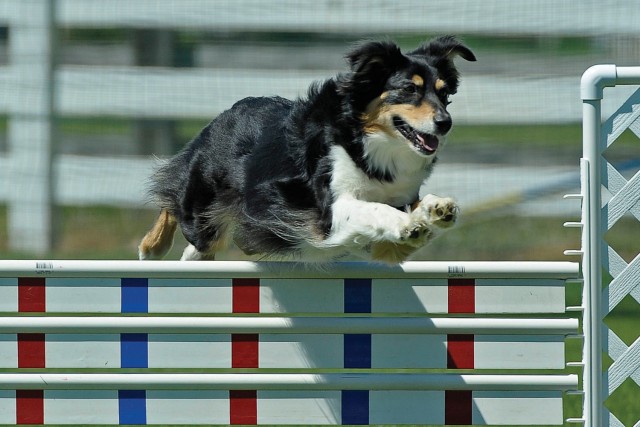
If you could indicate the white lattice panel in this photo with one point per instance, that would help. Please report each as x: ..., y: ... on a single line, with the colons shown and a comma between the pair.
x: 624, y: 201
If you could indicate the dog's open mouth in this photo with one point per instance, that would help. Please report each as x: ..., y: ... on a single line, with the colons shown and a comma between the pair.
x: 424, y: 142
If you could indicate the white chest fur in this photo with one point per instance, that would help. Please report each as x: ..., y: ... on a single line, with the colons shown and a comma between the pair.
x: 348, y: 180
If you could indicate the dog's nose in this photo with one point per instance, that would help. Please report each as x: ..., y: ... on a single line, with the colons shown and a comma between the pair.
x: 443, y: 123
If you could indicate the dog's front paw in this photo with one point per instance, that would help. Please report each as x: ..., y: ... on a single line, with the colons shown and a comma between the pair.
x: 439, y: 211
x: 417, y: 233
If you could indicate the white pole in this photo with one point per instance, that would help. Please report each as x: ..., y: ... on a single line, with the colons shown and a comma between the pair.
x: 287, y: 381
x: 592, y: 84
x: 592, y: 266
x: 240, y: 269
x: 286, y: 325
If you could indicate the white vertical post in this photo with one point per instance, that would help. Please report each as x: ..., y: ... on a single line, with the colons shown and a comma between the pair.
x: 592, y: 271
x: 593, y: 82
x: 31, y: 126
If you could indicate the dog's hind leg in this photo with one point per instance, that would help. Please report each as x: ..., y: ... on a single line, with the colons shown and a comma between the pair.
x: 190, y: 253
x: 158, y: 241
x: 216, y: 238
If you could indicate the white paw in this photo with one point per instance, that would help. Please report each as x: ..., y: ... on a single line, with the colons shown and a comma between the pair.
x: 439, y: 211
x: 417, y: 233
x: 431, y: 214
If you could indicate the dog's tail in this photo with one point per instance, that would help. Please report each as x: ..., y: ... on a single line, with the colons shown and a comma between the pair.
x: 158, y: 241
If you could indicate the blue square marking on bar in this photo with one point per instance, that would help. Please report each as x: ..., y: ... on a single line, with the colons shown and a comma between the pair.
x: 132, y: 406
x: 355, y: 407
x: 134, y: 295
x: 357, y: 351
x: 357, y: 295
x: 134, y: 351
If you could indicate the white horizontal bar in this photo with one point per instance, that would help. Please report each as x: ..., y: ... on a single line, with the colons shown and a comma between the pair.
x: 286, y: 381
x: 627, y: 75
x: 286, y: 325
x: 572, y: 196
x: 573, y: 252
x: 201, y: 92
x: 497, y: 16
x: 572, y: 224
x: 171, y: 92
x: 293, y: 351
x: 575, y: 336
x: 243, y: 269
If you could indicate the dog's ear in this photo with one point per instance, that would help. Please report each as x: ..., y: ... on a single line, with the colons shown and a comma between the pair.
x: 446, y: 47
x: 440, y: 53
x: 374, y: 57
x: 371, y: 64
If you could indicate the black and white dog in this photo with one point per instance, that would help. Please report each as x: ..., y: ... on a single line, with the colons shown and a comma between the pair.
x: 336, y: 174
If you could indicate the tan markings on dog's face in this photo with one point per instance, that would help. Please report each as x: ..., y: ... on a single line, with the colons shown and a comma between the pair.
x: 440, y: 84
x: 379, y: 116
x: 412, y: 114
x: 372, y: 118
x: 417, y: 80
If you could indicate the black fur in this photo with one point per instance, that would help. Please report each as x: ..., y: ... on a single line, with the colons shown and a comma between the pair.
x: 260, y: 171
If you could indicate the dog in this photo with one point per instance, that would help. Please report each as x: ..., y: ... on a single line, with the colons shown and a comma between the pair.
x: 333, y: 176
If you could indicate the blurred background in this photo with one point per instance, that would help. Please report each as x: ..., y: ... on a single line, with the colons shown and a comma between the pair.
x: 93, y: 93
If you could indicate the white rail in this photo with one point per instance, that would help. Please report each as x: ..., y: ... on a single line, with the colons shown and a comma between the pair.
x: 351, y: 381
x: 285, y: 325
x: 497, y: 16
x: 243, y: 269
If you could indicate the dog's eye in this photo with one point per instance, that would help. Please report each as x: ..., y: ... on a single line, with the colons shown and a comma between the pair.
x: 410, y: 88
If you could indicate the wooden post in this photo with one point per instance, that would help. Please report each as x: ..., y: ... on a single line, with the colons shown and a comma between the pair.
x: 154, y: 47
x: 31, y: 127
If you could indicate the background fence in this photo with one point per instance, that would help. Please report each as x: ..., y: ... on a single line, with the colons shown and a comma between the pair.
x: 92, y: 89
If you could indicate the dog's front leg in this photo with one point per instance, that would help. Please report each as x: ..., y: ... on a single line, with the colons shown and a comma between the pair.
x: 357, y: 223
x: 427, y: 217
x: 386, y: 233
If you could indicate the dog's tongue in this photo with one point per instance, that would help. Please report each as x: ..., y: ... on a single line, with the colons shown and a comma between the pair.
x: 429, y: 142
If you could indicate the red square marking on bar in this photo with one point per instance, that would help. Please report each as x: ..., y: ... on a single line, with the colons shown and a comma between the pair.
x: 244, y: 350
x: 246, y: 295
x: 462, y: 295
x: 29, y: 407
x: 31, y: 294
x: 460, y: 351
x: 243, y: 405
x: 31, y: 351
x: 458, y: 407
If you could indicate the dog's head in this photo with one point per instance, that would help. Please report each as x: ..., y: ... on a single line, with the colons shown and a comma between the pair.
x: 402, y: 98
